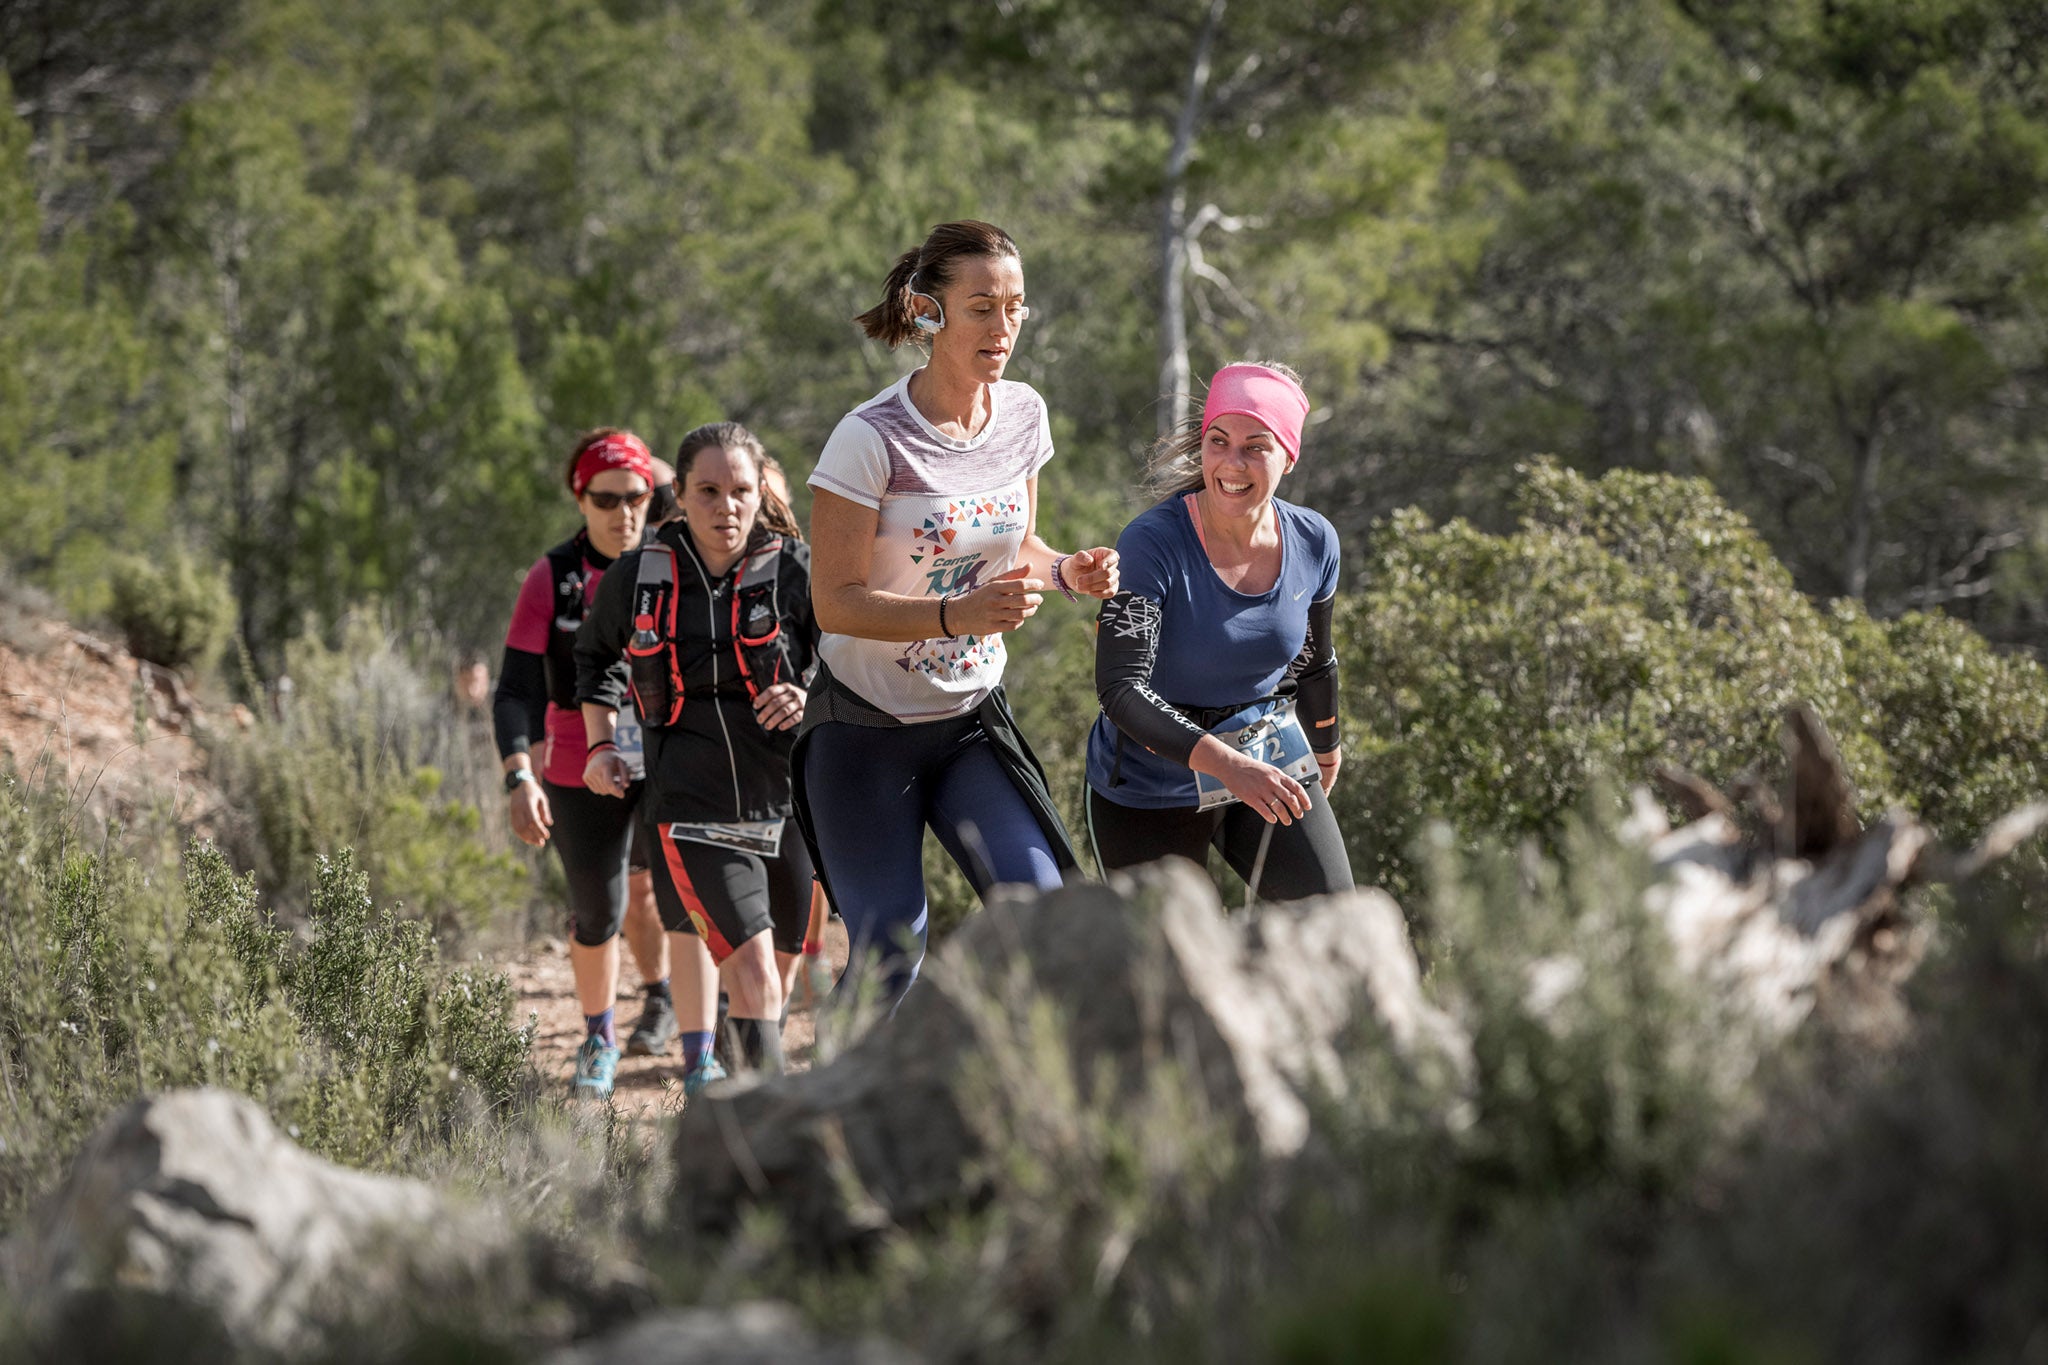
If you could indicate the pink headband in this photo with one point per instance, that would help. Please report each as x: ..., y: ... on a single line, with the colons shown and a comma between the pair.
x: 620, y: 450
x: 1264, y: 395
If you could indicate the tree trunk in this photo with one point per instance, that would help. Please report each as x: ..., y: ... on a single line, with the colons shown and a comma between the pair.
x: 230, y: 251
x: 1174, y: 384
x: 1862, y: 512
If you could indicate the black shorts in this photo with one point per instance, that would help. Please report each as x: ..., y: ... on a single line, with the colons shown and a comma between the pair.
x: 597, y: 838
x: 726, y: 896
x: 1306, y: 858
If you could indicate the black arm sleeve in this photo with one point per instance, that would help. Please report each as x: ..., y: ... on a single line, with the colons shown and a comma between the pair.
x: 519, y: 708
x: 796, y: 610
x: 1314, y: 671
x: 1126, y: 643
x: 601, y: 639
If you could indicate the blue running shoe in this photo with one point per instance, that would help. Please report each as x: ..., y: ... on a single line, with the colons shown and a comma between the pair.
x: 701, y: 1075
x: 596, y: 1064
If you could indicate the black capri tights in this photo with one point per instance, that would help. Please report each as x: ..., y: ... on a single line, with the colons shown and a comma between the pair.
x: 1305, y: 858
x: 597, y: 838
x: 725, y: 896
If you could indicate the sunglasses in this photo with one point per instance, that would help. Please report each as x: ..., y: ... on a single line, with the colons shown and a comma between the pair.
x: 609, y: 502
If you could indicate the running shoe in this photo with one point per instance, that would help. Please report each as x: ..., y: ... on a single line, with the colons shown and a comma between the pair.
x: 654, y: 1030
x: 596, y: 1064
x: 701, y: 1075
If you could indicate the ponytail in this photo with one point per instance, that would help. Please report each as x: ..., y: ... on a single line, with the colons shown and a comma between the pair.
x: 889, y: 321
x: 928, y: 269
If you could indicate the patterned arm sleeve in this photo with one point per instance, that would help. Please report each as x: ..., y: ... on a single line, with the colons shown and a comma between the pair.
x: 1126, y: 643
x: 1314, y: 672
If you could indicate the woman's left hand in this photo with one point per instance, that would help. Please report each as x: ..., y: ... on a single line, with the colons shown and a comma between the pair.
x: 1092, y: 572
x: 780, y: 707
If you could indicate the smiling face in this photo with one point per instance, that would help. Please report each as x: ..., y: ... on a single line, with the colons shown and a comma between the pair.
x: 985, y: 312
x: 721, y: 495
x: 1241, y: 464
x: 615, y: 529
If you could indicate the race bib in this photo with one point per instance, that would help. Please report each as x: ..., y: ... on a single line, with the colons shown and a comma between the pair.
x: 763, y: 837
x: 632, y: 741
x: 1274, y: 738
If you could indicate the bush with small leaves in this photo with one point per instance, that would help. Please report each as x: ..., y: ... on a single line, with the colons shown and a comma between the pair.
x: 133, y: 970
x: 173, y: 609
x: 1491, y: 680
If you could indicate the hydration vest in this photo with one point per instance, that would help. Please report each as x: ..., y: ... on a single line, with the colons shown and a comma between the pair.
x: 572, y: 580
x: 655, y: 664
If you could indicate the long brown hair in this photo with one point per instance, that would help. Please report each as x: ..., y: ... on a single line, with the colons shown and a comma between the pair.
x: 1175, y: 463
x: 775, y: 517
x: 927, y: 269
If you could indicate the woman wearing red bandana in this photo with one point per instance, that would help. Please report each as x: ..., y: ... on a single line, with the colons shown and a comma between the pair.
x: 610, y: 474
x: 1215, y: 662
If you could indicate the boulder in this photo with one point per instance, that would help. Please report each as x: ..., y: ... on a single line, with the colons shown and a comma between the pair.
x: 1093, y: 995
x: 190, y: 1207
x: 744, y: 1334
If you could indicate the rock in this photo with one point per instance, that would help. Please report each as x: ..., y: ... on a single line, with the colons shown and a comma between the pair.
x: 1140, y: 974
x: 192, y: 1205
x: 745, y: 1334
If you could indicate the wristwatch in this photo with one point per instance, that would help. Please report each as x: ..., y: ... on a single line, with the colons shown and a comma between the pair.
x: 515, y: 777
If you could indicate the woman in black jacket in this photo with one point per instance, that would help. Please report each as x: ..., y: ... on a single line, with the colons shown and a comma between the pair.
x: 710, y: 627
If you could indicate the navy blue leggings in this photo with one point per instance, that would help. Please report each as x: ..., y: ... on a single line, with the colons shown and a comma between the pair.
x: 871, y: 793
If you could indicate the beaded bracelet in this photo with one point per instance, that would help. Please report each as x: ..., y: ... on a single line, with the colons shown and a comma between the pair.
x: 945, y: 630
x: 1059, y: 580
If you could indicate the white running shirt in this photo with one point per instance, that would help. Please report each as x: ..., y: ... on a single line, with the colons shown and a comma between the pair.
x: 951, y: 516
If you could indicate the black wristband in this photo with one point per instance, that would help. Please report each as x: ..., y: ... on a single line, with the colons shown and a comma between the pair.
x: 944, y: 630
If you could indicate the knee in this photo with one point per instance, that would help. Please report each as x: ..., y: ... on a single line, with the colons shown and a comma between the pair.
x: 751, y: 979
x: 593, y: 928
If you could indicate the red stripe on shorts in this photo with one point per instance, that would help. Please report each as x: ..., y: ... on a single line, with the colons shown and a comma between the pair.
x: 692, y: 906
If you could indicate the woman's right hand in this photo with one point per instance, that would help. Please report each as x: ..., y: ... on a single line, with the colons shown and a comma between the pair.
x: 1277, y: 797
x: 531, y: 818
x: 1003, y: 603
x: 605, y: 772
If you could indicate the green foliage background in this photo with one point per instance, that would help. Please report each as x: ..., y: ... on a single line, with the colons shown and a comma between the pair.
x: 324, y: 293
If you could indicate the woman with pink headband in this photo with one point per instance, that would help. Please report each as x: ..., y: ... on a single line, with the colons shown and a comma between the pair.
x: 1215, y: 663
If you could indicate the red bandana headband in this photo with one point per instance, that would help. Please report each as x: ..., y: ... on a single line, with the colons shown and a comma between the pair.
x: 1266, y: 396
x: 620, y: 450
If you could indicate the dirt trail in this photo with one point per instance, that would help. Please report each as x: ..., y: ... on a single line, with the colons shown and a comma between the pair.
x: 647, y: 1086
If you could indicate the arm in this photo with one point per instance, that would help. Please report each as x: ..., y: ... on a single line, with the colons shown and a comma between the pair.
x: 842, y: 553
x: 519, y: 711
x: 601, y: 677
x: 781, y: 707
x: 1092, y: 571
x: 519, y: 708
x: 1126, y: 646
x: 1315, y: 681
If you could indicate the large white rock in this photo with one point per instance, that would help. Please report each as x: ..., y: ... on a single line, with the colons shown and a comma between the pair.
x: 194, y: 1198
x: 1137, y: 982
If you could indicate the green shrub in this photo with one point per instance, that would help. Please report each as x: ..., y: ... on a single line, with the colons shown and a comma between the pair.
x: 1630, y: 621
x: 173, y: 610
x: 132, y: 970
x: 365, y: 753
